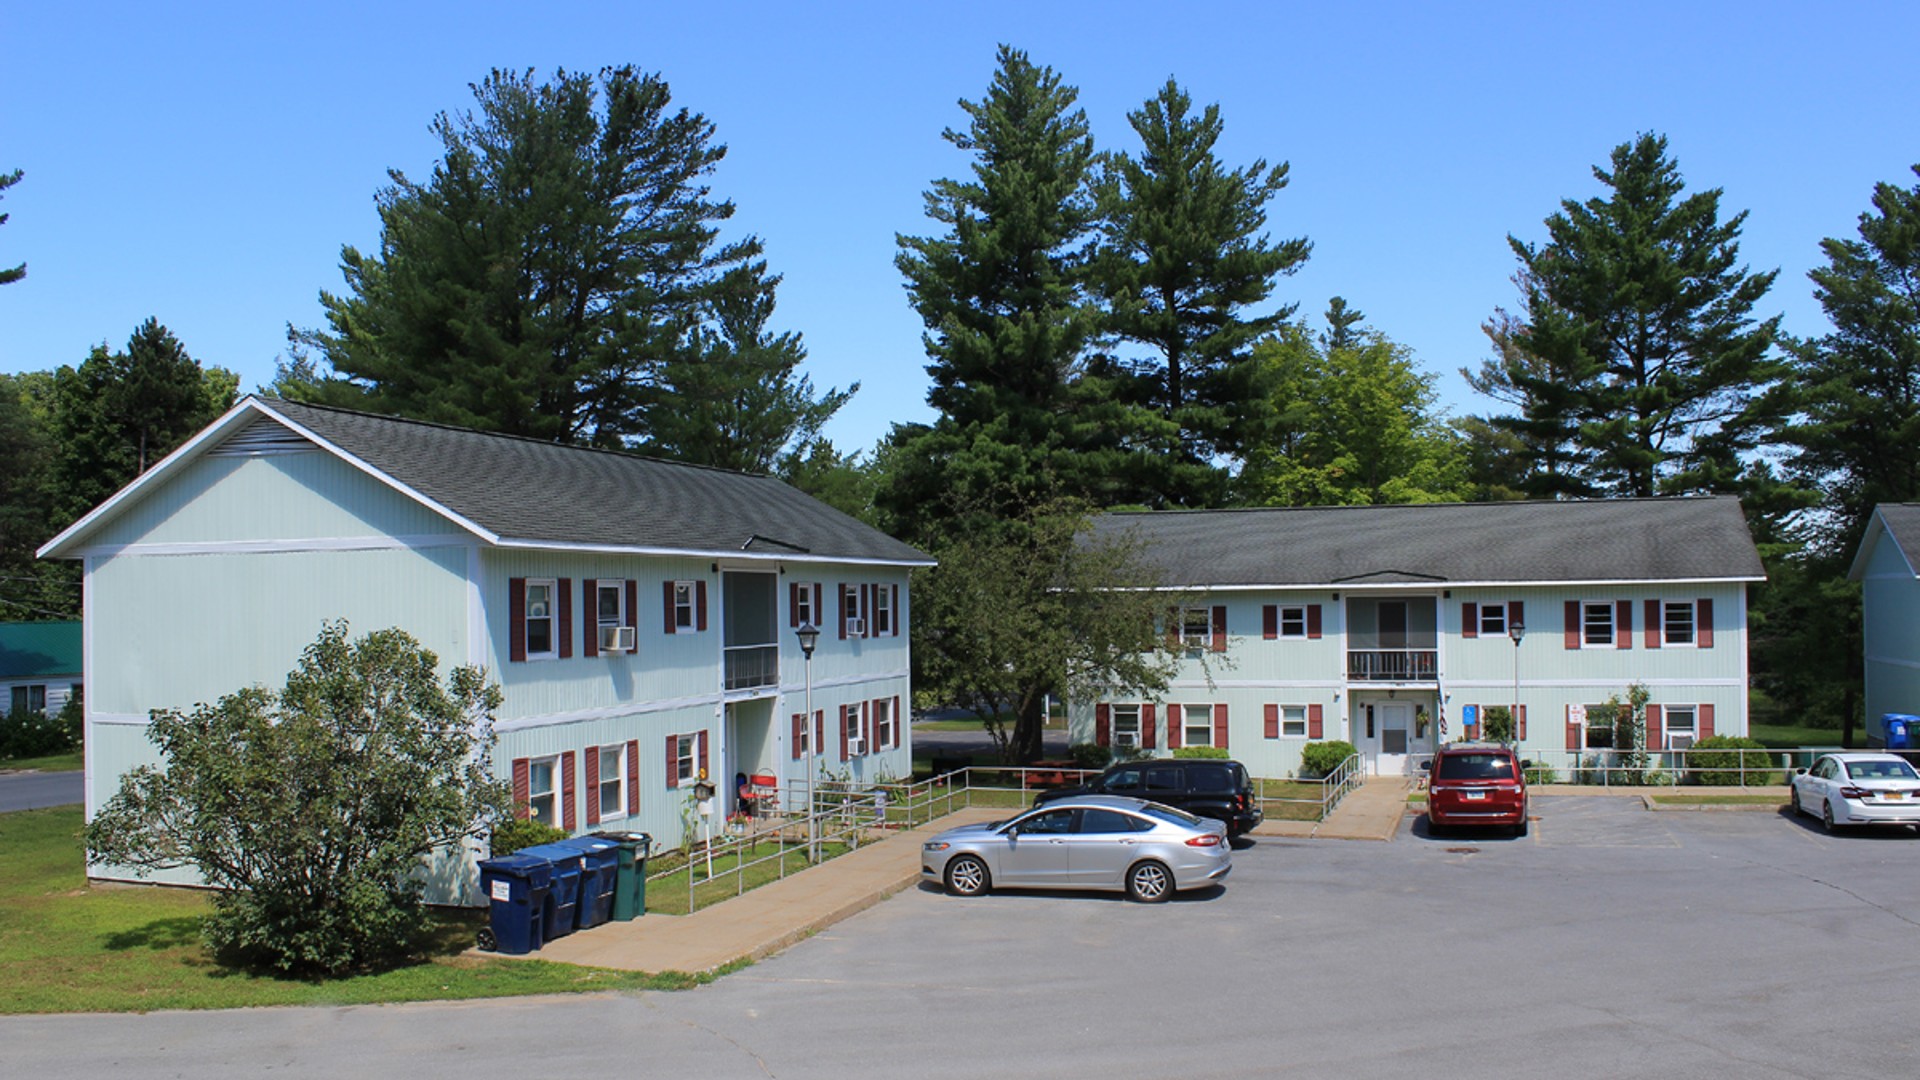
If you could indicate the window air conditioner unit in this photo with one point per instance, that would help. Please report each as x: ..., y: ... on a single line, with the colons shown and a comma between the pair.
x: 616, y: 639
x: 856, y: 628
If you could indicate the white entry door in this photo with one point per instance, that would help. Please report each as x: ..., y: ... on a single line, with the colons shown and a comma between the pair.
x: 1396, y: 737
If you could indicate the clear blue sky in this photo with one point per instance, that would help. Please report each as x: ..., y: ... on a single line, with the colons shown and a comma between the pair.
x: 204, y: 163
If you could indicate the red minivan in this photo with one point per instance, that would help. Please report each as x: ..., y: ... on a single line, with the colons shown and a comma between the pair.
x: 1477, y: 783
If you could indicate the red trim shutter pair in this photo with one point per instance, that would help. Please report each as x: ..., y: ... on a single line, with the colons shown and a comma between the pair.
x: 1316, y: 721
x: 1103, y: 725
x: 1148, y: 722
x: 670, y: 623
x: 811, y: 590
x: 673, y: 758
x: 1702, y: 624
x: 1219, y: 628
x: 517, y: 618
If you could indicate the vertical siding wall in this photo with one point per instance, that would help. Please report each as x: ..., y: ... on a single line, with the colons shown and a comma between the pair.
x: 1255, y: 672
x: 1890, y: 617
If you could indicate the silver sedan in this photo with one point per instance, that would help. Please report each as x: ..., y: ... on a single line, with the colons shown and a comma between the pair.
x: 1084, y: 842
x: 1859, y: 789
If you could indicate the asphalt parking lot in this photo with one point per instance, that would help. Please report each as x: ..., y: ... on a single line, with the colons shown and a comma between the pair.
x: 1612, y: 941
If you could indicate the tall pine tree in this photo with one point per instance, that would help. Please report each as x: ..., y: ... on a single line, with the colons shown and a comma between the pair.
x: 1183, y: 257
x: 9, y: 275
x: 1638, y: 305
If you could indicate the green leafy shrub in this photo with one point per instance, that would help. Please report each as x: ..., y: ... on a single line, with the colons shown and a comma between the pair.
x: 1091, y: 756
x: 1317, y: 759
x: 1541, y: 774
x: 510, y: 836
x: 1733, y: 760
x: 26, y: 733
x: 1202, y: 752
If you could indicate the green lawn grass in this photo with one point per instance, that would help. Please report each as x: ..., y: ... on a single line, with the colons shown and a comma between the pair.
x: 1789, y: 736
x: 763, y: 862
x: 67, y: 762
x: 67, y: 946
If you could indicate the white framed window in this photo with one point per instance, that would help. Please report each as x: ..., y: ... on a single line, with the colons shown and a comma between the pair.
x: 1682, y: 726
x: 1596, y: 624
x: 542, y: 803
x: 612, y: 782
x: 686, y: 765
x: 882, y: 610
x: 1196, y: 728
x: 1293, y: 621
x: 685, y: 605
x: 1493, y: 620
x: 1597, y: 722
x: 1196, y: 627
x: 612, y: 622
x: 1126, y: 725
x: 540, y: 618
x: 1676, y: 624
x: 1293, y: 721
x: 806, y: 603
x: 31, y: 697
x: 856, y: 729
x: 883, y: 720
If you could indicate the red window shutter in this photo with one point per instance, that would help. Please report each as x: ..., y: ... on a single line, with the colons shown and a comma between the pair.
x: 819, y: 731
x: 633, y: 777
x: 1102, y: 725
x: 1573, y: 631
x: 1656, y: 731
x: 700, y: 606
x: 819, y: 617
x: 1573, y: 731
x: 1469, y: 620
x: 666, y: 601
x: 899, y: 721
x: 843, y: 610
x: 1705, y: 723
x: 1313, y: 620
x: 566, y: 791
x: 566, y: 617
x: 799, y: 733
x: 1219, y: 628
x: 1176, y: 716
x: 1516, y: 613
x: 1703, y: 623
x: 590, y: 621
x: 701, y: 760
x: 673, y: 761
x: 1272, y: 720
x: 1270, y: 621
x: 1316, y: 721
x: 591, y: 758
x: 845, y: 735
x: 633, y: 610
x: 1655, y: 626
x: 867, y: 607
x: 517, y: 618
x: 1220, y: 723
x: 1148, y: 722
x: 522, y: 790
x: 895, y: 606
x: 793, y: 604
x: 1623, y: 624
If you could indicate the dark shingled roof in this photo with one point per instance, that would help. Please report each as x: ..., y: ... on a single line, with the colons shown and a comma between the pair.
x: 1903, y: 524
x: 531, y: 491
x: 1680, y: 539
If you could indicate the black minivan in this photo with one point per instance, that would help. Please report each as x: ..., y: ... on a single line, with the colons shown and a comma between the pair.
x: 1209, y: 787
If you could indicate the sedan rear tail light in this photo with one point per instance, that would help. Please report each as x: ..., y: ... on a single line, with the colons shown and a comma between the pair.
x: 1209, y: 840
x: 1851, y: 792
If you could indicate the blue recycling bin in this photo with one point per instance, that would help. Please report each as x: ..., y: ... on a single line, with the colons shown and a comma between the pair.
x: 516, y: 888
x: 563, y: 897
x: 1899, y: 730
x: 598, y: 879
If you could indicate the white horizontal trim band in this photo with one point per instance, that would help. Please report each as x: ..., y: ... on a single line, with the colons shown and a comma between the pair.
x: 613, y: 712
x: 691, y: 553
x: 286, y: 547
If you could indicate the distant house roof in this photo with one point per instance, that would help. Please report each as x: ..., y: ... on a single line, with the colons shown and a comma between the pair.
x: 519, y: 492
x: 39, y: 650
x: 1611, y: 540
x: 1899, y: 522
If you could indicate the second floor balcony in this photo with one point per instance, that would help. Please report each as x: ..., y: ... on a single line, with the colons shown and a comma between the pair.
x: 752, y: 647
x: 1390, y: 665
x: 1392, y: 639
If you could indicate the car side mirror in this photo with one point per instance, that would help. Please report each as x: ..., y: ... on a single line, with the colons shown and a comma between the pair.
x: 1013, y: 831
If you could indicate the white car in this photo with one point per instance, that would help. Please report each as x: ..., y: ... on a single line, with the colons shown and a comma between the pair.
x: 1859, y: 789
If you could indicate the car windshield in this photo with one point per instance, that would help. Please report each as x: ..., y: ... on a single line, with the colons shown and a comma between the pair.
x: 1884, y: 769
x: 1476, y: 767
x: 1169, y: 814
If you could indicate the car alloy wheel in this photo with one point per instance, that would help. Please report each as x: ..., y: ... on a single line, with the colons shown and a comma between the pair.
x: 1149, y: 883
x: 1826, y: 815
x: 967, y: 876
x: 1795, y: 800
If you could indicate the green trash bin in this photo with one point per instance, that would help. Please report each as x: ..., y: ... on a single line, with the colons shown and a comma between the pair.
x: 630, y: 885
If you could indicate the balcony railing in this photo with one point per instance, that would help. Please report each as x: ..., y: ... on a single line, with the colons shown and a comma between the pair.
x: 752, y: 666
x: 1390, y: 665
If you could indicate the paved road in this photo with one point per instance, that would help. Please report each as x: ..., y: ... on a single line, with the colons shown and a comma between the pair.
x: 33, y: 790
x: 1610, y: 942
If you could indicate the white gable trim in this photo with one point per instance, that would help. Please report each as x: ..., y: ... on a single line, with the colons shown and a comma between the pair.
x: 243, y: 412
x: 723, y: 556
x: 1876, y: 531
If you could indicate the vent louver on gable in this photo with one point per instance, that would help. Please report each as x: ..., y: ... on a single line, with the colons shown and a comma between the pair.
x: 260, y: 438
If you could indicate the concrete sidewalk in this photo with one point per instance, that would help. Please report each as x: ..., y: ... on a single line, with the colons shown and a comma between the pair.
x: 1371, y: 811
x: 765, y: 920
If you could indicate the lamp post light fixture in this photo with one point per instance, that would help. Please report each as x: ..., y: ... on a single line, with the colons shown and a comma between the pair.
x: 809, y: 636
x: 1515, y: 630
